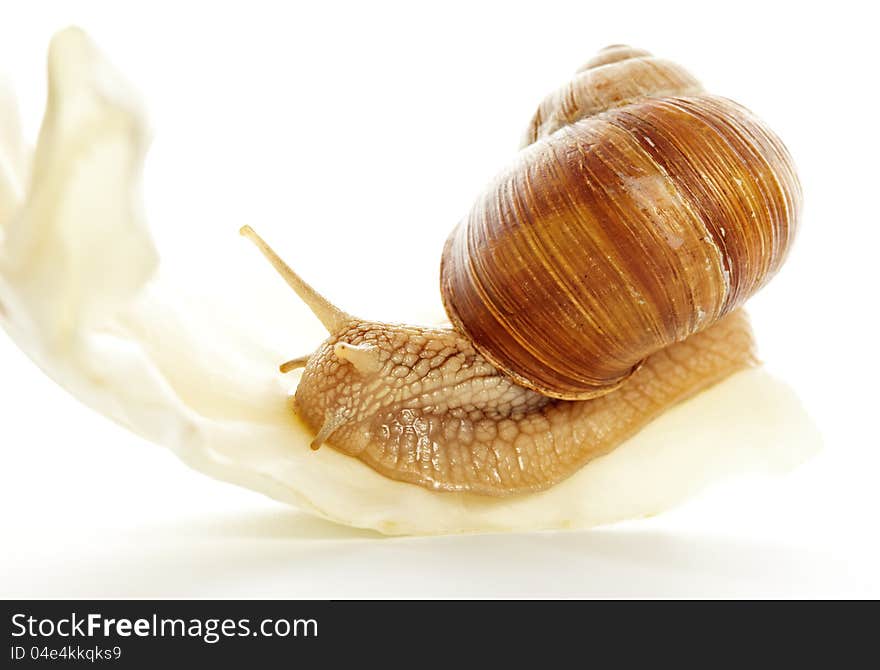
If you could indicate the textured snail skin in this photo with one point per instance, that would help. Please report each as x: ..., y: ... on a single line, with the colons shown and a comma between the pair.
x: 619, y: 233
x: 437, y: 414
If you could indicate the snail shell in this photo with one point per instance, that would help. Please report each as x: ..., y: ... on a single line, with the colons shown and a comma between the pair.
x: 641, y: 212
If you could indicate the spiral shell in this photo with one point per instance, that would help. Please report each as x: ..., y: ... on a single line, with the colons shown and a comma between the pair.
x: 641, y: 212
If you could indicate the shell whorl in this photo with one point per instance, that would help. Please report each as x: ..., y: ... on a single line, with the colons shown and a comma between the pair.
x: 617, y: 76
x: 641, y: 212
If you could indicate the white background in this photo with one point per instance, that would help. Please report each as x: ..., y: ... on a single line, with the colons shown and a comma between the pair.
x: 356, y: 137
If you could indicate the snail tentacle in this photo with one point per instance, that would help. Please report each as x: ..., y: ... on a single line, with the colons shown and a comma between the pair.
x: 294, y: 363
x: 364, y: 357
x: 330, y: 426
x: 328, y: 314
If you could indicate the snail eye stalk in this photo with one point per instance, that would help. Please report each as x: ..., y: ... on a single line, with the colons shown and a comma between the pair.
x: 333, y: 318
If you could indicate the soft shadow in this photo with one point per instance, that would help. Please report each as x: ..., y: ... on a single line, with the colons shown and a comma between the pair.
x: 287, y: 554
x: 280, y: 524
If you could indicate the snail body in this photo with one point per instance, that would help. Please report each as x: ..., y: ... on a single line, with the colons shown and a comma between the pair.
x: 595, y: 283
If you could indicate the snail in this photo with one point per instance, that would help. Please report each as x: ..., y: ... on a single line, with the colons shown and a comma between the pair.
x: 595, y: 283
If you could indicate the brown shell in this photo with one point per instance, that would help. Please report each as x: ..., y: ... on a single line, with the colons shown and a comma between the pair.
x: 635, y: 218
